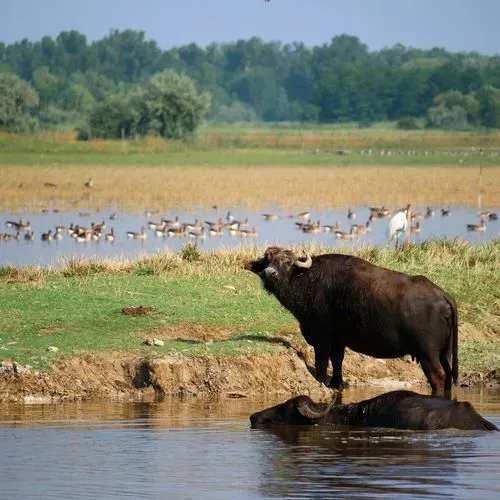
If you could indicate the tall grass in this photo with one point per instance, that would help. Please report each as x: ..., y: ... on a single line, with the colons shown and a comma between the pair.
x: 256, y: 188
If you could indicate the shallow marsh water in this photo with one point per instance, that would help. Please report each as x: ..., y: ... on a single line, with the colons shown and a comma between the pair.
x: 206, y: 449
x: 283, y: 231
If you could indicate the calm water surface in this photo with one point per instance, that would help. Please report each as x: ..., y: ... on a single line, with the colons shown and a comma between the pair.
x: 206, y: 449
x: 283, y: 231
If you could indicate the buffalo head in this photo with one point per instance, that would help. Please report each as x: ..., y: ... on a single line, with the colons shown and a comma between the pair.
x: 300, y: 410
x: 277, y: 264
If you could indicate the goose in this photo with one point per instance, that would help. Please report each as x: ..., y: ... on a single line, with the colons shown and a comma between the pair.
x: 243, y: 223
x: 245, y: 233
x: 157, y: 225
x: 346, y: 236
x: 229, y: 216
x: 9, y: 236
x: 83, y: 236
x: 137, y: 236
x: 172, y: 223
x: 303, y: 215
x: 300, y: 225
x: 98, y: 227
x: 199, y: 235
x: 379, y: 211
x: 29, y: 236
x: 429, y: 212
x: 360, y: 229
x: 112, y: 216
x: 477, y: 227
x: 81, y: 231
x: 236, y: 224
x: 47, y: 236
x: 196, y: 226
x: 445, y: 212
x: 111, y: 235
x: 328, y: 228
x: 20, y: 226
x: 216, y: 225
x: 216, y: 231
x: 176, y: 231
x: 488, y: 215
x: 416, y: 228
x: 312, y: 228
x: 160, y: 232
x: 23, y: 226
x: 58, y: 235
x: 351, y: 214
x: 270, y: 217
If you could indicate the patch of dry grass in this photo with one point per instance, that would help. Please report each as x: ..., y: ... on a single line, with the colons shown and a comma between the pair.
x: 31, y: 275
x: 166, y: 188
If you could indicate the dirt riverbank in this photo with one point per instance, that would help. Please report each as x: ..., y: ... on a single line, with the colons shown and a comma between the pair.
x: 127, y: 375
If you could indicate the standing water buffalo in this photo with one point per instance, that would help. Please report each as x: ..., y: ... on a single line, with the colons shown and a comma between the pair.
x: 341, y: 300
x: 396, y: 409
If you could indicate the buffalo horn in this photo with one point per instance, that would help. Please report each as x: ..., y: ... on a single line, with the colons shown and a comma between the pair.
x: 304, y: 407
x: 305, y: 264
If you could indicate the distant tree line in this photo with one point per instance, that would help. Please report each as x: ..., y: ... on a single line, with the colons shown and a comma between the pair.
x: 72, y: 81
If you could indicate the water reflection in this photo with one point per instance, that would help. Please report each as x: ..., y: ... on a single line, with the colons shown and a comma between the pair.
x: 306, y: 461
x: 274, y: 226
x: 204, y: 448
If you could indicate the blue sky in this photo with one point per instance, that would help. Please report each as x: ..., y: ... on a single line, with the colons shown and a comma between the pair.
x: 458, y: 25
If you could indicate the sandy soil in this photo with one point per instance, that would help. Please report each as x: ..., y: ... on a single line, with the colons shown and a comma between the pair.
x: 125, y: 375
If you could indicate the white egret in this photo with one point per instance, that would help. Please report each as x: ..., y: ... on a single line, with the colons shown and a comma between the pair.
x: 398, y: 224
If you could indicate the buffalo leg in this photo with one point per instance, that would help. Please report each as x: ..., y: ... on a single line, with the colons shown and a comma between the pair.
x: 435, y: 375
x: 445, y: 363
x: 337, y: 357
x: 321, y: 363
x: 321, y: 358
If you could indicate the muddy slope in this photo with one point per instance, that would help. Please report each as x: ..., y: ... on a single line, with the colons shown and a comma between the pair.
x: 113, y: 374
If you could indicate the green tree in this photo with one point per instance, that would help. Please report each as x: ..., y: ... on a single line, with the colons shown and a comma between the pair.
x: 489, y: 106
x: 47, y: 85
x: 16, y: 98
x: 172, y: 106
x: 454, y: 99
x: 112, y: 118
x: 78, y: 98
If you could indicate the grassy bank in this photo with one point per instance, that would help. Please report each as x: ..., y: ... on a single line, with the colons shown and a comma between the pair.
x: 262, y: 145
x: 213, y: 306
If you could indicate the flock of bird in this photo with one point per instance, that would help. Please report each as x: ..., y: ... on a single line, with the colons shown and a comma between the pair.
x: 96, y: 231
x: 403, y: 221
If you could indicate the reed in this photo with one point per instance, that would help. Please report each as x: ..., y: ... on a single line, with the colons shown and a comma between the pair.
x: 167, y: 188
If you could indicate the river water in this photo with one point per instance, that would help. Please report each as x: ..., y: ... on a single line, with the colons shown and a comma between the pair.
x: 283, y: 231
x: 181, y: 449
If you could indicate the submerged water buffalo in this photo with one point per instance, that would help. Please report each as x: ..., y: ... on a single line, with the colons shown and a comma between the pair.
x: 341, y: 300
x: 396, y: 409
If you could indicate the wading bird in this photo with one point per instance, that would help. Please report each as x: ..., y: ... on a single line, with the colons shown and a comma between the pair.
x: 398, y: 224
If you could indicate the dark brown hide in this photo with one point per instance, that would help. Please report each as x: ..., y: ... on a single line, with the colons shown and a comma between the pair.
x: 344, y: 301
x: 396, y: 409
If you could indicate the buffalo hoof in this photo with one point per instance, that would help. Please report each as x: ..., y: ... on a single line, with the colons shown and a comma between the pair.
x: 338, y: 385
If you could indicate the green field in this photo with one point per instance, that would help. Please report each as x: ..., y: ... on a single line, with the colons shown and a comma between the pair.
x: 212, y: 305
x: 260, y: 145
